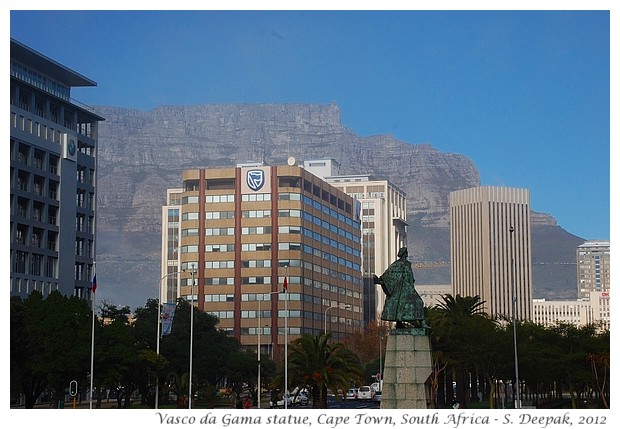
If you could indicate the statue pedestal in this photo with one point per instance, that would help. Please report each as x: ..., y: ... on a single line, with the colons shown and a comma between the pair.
x: 408, y: 365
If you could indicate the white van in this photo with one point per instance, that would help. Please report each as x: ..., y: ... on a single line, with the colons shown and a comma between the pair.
x: 365, y: 393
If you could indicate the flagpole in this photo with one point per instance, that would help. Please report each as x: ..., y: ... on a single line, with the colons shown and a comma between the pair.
x: 191, y: 342
x: 159, y: 307
x: 95, y: 184
x: 285, y: 339
x: 92, y: 335
x: 158, y: 335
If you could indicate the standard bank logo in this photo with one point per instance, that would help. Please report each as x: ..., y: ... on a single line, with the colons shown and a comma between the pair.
x: 255, y: 179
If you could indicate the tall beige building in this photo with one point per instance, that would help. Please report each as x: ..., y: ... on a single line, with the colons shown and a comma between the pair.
x: 593, y: 267
x: 490, y: 247
x: 383, y: 223
x: 231, y: 236
x: 170, y: 247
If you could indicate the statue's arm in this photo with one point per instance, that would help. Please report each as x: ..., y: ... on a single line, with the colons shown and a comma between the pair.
x: 379, y: 281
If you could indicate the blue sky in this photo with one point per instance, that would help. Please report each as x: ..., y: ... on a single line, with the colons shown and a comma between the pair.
x: 524, y: 94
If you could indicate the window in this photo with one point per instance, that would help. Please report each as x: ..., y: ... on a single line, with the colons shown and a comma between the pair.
x: 218, y: 184
x: 220, y: 215
x: 256, y: 197
x: 219, y: 231
x: 219, y: 264
x: 253, y: 247
x: 289, y: 213
x: 220, y: 198
x: 266, y: 263
x: 190, y: 216
x: 255, y: 280
x: 192, y: 199
x: 256, y: 230
x: 189, y: 232
x: 289, y: 196
x: 290, y: 182
x: 292, y: 229
x: 256, y: 213
x: 219, y: 248
x: 191, y: 185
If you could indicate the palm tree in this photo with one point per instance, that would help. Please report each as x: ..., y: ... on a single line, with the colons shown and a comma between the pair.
x: 458, y: 323
x: 179, y: 385
x: 318, y: 364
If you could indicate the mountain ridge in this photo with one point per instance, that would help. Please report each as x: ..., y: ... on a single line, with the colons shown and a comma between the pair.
x: 142, y: 153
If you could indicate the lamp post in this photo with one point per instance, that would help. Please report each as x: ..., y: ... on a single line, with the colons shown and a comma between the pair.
x: 159, y: 334
x: 380, y: 326
x: 514, y: 317
x: 259, y: 332
x: 346, y: 307
x: 191, y: 337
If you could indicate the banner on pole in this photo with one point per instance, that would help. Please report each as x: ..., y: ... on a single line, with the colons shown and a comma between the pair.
x: 166, y: 318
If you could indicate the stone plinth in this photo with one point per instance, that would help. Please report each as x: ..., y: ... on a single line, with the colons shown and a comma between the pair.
x: 408, y: 365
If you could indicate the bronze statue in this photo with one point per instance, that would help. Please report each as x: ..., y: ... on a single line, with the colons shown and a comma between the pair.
x: 403, y: 304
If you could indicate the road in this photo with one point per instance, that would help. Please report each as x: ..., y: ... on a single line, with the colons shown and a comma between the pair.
x: 332, y: 403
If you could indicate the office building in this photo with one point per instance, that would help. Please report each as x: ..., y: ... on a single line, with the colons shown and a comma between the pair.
x: 170, y: 247
x: 595, y: 309
x: 383, y: 223
x: 433, y: 295
x: 490, y: 248
x: 53, y: 153
x: 243, y: 230
x: 593, y: 267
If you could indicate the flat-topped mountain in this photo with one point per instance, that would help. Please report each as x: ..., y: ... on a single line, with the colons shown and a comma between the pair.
x: 142, y: 153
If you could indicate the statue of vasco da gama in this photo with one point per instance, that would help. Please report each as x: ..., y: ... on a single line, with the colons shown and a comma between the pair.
x: 403, y: 304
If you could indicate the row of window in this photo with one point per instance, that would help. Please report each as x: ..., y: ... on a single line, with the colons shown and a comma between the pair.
x: 251, y: 214
x: 265, y: 280
x: 26, y: 286
x: 285, y: 197
x: 36, y: 79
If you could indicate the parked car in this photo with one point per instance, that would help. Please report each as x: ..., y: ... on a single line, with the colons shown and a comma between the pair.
x: 365, y: 393
x: 301, y: 398
x: 351, y: 394
x: 377, y: 396
x: 280, y: 402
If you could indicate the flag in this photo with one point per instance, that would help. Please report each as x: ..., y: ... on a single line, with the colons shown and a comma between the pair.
x: 285, y: 285
x: 166, y: 318
x: 94, y: 287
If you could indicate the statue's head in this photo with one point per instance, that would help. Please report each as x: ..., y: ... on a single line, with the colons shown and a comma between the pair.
x: 403, y: 253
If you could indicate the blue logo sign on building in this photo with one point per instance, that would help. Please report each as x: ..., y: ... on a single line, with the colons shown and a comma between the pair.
x: 255, y: 179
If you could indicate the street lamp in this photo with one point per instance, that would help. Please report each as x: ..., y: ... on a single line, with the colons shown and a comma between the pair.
x: 514, y: 318
x: 259, y: 332
x: 159, y: 334
x: 191, y: 336
x: 346, y: 307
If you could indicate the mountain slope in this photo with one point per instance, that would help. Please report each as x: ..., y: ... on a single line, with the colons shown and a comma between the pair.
x: 142, y: 153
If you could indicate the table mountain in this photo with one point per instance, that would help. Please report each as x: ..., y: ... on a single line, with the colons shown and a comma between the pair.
x: 142, y: 153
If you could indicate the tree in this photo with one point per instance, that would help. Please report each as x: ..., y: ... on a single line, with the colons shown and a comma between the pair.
x: 118, y: 359
x: 50, y: 344
x: 318, y: 364
x: 145, y: 331
x: 574, y: 365
x: 459, y: 325
x: 27, y: 373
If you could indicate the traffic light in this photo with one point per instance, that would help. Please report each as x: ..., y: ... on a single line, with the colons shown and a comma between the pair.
x: 73, y: 388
